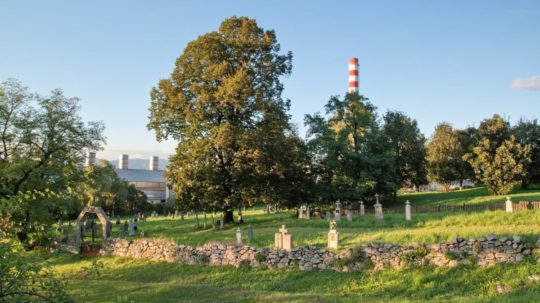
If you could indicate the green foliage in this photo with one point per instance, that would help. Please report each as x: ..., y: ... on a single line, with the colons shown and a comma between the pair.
x: 204, y: 259
x: 413, y: 257
x: 408, y: 146
x: 351, y: 158
x: 527, y: 132
x: 454, y: 255
x: 42, y: 143
x: 223, y: 104
x: 24, y: 279
x: 501, y: 170
x: 94, y: 270
x: 444, y: 155
x: 260, y: 257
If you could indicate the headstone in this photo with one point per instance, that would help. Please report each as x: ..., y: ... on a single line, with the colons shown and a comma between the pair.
x: 125, y: 229
x: 135, y: 227
x: 308, y: 213
x: 283, y: 240
x: 378, y: 208
x: 349, y: 213
x: 301, y: 212
x: 337, y: 216
x: 509, y: 205
x: 408, y: 211
x: 131, y: 230
x: 221, y: 222
x: 333, y: 235
x: 362, y: 208
x: 250, y: 233
x: 122, y: 233
x: 238, y: 236
x: 328, y: 215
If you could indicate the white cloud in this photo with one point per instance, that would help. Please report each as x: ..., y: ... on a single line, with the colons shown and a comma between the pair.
x: 527, y: 83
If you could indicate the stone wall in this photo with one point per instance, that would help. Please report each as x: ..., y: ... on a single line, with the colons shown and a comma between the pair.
x: 484, y: 251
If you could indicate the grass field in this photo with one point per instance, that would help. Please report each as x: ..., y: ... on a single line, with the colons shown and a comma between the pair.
x: 126, y: 280
x: 148, y: 282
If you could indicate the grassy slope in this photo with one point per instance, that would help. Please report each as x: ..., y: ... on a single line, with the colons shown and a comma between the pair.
x: 148, y: 282
x: 145, y: 281
x: 475, y: 195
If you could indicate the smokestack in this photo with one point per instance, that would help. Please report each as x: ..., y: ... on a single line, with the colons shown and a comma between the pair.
x: 154, y: 163
x: 90, y: 159
x: 353, y: 75
x: 123, y: 161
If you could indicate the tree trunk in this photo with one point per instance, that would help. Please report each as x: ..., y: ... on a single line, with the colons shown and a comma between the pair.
x: 228, y: 216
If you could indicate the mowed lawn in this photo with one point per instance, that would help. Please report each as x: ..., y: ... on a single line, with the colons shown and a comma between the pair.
x: 128, y: 280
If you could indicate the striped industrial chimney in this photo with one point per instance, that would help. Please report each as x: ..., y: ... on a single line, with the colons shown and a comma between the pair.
x: 353, y: 75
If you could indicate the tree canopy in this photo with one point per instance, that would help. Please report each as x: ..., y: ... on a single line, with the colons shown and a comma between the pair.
x: 223, y: 105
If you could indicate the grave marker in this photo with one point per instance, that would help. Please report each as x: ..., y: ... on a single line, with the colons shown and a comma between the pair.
x: 408, y: 210
x: 282, y: 239
x: 333, y: 236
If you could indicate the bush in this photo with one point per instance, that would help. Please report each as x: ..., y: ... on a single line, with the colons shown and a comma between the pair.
x: 414, y: 256
x: 23, y: 279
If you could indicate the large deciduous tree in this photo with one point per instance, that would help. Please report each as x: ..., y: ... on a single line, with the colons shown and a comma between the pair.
x: 528, y: 132
x: 223, y: 104
x: 408, y: 146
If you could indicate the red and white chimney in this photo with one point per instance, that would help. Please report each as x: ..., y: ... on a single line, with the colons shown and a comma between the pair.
x: 353, y: 75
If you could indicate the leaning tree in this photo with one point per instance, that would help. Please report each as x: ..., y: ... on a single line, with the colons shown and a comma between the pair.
x: 223, y: 105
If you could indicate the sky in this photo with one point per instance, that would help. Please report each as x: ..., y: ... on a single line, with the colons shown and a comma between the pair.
x: 456, y: 61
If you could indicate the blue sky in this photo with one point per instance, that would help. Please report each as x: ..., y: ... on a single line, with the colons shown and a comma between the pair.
x: 454, y: 61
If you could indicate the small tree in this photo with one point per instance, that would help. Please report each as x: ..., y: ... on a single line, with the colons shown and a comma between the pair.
x: 23, y: 279
x: 444, y: 156
x: 501, y: 170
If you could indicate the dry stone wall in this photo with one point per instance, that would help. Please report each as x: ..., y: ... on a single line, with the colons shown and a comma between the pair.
x: 485, y: 251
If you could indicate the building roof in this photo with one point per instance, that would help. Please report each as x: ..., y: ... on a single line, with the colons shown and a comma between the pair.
x: 141, y: 175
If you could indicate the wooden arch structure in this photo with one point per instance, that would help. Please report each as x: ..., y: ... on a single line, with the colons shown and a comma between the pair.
x: 102, y: 217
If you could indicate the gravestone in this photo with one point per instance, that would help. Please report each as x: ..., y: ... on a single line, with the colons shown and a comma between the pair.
x: 301, y: 212
x: 308, y: 213
x: 283, y: 240
x: 362, y: 208
x: 327, y: 215
x: 122, y: 233
x: 250, y: 233
x: 509, y: 205
x: 238, y: 236
x: 221, y: 222
x: 378, y: 208
x: 337, y: 216
x: 408, y: 211
x: 349, y: 213
x: 125, y: 229
x: 333, y: 236
x: 131, y: 230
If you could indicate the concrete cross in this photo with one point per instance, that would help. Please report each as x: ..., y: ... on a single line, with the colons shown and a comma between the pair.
x: 283, y: 230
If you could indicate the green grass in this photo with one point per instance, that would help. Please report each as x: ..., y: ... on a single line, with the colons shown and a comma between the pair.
x: 475, y: 195
x: 428, y: 227
x: 146, y: 281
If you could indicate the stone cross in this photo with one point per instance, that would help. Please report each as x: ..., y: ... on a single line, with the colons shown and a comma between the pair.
x: 333, y: 236
x: 250, y: 233
x: 408, y: 210
x: 282, y: 239
x: 509, y: 205
x: 378, y: 209
x: 362, y: 208
x: 301, y: 212
x: 238, y: 236
x: 337, y: 215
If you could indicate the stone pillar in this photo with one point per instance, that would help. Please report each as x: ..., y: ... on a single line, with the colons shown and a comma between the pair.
x: 250, y: 233
x: 509, y: 205
x: 408, y: 211
x: 362, y: 208
x: 308, y: 213
x: 349, y: 214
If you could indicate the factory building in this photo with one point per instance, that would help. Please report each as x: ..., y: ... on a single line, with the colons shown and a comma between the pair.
x: 151, y: 181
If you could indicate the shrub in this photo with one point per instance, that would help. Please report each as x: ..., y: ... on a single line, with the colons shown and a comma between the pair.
x: 204, y: 259
x: 415, y: 255
x: 260, y: 257
x: 23, y: 279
